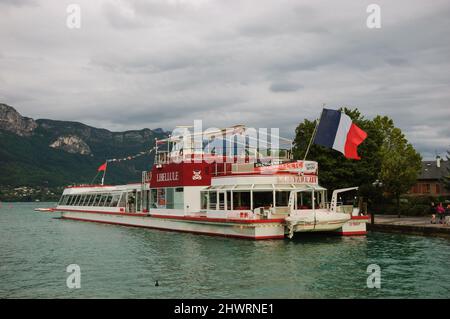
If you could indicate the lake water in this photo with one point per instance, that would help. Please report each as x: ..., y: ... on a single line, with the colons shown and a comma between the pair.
x: 122, y: 262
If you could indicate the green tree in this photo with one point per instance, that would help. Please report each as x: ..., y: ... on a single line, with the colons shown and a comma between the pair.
x: 400, y: 163
x: 386, y: 155
x: 335, y: 170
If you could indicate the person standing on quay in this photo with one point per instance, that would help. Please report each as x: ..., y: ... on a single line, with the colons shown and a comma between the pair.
x: 440, y: 211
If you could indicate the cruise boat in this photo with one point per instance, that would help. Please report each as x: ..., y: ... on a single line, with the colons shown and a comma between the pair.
x: 208, y: 192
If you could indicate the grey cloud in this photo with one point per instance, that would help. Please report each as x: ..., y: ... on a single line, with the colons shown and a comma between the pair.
x: 18, y: 3
x: 140, y: 63
x: 120, y: 17
x: 285, y: 87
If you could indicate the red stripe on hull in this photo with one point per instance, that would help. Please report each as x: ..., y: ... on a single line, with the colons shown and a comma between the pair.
x: 176, y: 230
x: 361, y: 217
x: 353, y: 233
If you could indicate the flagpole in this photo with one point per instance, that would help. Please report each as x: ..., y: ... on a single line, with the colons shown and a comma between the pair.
x: 92, y: 182
x: 313, y: 135
x: 104, y: 172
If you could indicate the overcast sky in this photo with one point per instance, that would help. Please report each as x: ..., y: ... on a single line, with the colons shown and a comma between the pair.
x: 162, y: 63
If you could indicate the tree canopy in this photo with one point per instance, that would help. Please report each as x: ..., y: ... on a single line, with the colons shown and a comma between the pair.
x: 385, y: 155
x: 400, y: 163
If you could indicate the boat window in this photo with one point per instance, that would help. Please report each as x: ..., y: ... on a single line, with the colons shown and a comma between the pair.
x: 147, y: 200
x: 123, y: 199
x: 69, y: 200
x: 103, y: 200
x: 282, y: 198
x: 153, y: 198
x: 204, y: 200
x: 115, y: 200
x: 80, y: 200
x: 262, y: 199
x: 304, y: 200
x: 221, y: 200
x: 77, y: 199
x: 138, y: 201
x: 94, y: 199
x: 108, y: 200
x: 97, y: 199
x: 131, y: 201
x: 320, y: 199
x: 161, y: 198
x: 213, y: 200
x: 90, y: 200
x: 83, y: 199
x: 241, y: 200
x: 229, y: 200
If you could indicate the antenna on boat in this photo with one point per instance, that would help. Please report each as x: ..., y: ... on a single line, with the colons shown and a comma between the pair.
x: 314, y: 133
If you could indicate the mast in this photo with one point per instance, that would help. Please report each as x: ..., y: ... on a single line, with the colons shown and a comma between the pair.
x: 314, y: 133
x: 104, y: 172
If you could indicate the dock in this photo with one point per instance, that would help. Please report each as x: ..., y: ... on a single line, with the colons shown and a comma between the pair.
x: 418, y: 225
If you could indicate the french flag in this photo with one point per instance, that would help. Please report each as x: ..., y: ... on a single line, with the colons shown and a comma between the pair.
x: 337, y: 131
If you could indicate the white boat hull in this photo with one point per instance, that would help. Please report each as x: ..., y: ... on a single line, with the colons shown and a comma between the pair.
x: 206, y: 226
x: 257, y: 230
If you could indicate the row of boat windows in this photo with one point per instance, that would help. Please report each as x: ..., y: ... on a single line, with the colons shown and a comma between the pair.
x: 167, y: 198
x: 243, y: 200
x: 246, y: 200
x: 99, y: 200
x: 173, y: 198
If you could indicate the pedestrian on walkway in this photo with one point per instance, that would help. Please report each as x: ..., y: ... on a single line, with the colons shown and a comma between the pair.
x: 440, y: 212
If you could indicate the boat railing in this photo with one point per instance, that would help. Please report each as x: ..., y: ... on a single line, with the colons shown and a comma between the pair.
x: 264, y: 212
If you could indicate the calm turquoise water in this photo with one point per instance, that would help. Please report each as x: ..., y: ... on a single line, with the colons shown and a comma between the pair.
x: 121, y: 262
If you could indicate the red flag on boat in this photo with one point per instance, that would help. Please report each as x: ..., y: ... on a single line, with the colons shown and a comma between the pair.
x: 102, y: 167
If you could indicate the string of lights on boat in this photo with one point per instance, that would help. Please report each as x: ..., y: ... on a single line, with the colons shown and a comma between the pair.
x: 217, y: 136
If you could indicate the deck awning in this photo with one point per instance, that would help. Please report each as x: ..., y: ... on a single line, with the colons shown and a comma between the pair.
x: 266, y: 187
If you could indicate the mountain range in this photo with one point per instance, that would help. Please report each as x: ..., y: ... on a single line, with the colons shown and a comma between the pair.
x: 55, y: 153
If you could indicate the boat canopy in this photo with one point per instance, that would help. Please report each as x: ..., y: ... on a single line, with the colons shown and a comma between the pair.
x: 277, y: 187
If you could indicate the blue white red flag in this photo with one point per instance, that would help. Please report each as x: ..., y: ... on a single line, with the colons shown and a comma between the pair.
x: 337, y: 131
